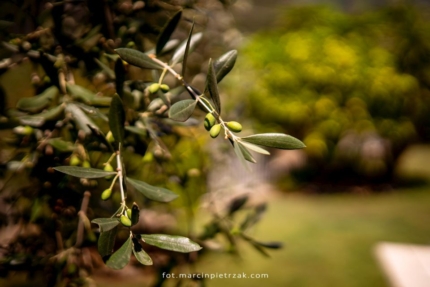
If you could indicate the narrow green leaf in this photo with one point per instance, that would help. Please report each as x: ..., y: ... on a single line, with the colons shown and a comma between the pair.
x: 39, y: 119
x: 84, y: 172
x: 270, y: 245
x: 80, y: 93
x: 137, y: 58
x: 167, y: 32
x: 275, y: 140
x: 246, y: 154
x: 224, y: 64
x: 182, y: 110
x: 255, y: 148
x: 38, y: 103
x: 106, y: 242
x: 117, y: 119
x: 61, y: 145
x: 152, y: 192
x: 239, y: 154
x: 179, y: 53
x: 187, y: 49
x: 108, y: 71
x: 101, y: 101
x: 82, y: 121
x: 171, y: 242
x: 119, y: 77
x: 140, y: 254
x: 121, y: 257
x: 169, y: 46
x: 136, y: 130
x: 106, y: 224
x: 212, y: 87
x: 92, y: 111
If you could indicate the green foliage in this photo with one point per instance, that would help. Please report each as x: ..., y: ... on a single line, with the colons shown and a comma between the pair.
x: 343, y: 83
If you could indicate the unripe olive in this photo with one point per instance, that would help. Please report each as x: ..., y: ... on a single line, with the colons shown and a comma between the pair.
x: 106, y: 194
x: 165, y: 88
x: 108, y: 167
x: 154, y: 88
x: 129, y: 213
x: 109, y: 137
x: 86, y: 164
x: 215, y: 130
x: 74, y: 160
x: 209, y: 121
x: 234, y: 126
x: 125, y: 221
x: 23, y: 130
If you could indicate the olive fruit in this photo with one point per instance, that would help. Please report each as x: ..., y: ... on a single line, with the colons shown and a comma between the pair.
x: 215, y: 130
x: 125, y: 220
x: 86, y: 164
x: 165, y: 88
x: 209, y: 121
x: 108, y: 167
x: 129, y: 213
x: 234, y: 126
x: 74, y: 160
x: 106, y: 194
x: 154, y: 88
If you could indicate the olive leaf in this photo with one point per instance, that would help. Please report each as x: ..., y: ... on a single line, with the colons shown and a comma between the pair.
x: 212, y: 87
x: 275, y: 140
x: 152, y: 192
x: 84, y: 172
x: 224, y: 64
x: 171, y: 242
x: 119, y: 77
x: 106, y: 242
x: 39, y: 102
x: 106, y: 224
x: 108, y: 71
x: 246, y: 154
x: 80, y: 93
x: 140, y: 254
x: 167, y: 32
x: 240, y: 155
x: 254, y: 147
x: 187, y: 48
x: 39, y: 119
x: 80, y: 118
x: 179, y: 53
x: 137, y: 58
x: 121, y: 257
x: 182, y: 110
x: 61, y: 145
x: 117, y: 119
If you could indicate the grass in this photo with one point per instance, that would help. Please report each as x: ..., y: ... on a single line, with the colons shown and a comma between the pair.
x: 329, y: 240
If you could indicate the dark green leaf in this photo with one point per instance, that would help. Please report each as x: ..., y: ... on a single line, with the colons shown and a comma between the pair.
x: 152, y: 192
x: 137, y: 58
x: 187, y: 49
x: 180, y: 51
x: 167, y: 32
x: 38, y: 103
x: 212, y: 87
x: 140, y: 254
x: 224, y: 64
x: 61, y: 145
x: 117, y: 119
x: 121, y: 257
x: 106, y: 224
x: 84, y: 172
x: 270, y: 245
x: 182, y: 110
x: 106, y: 242
x: 39, y: 119
x: 119, y: 77
x: 237, y: 204
x: 281, y: 141
x: 171, y: 242
x: 253, y: 217
x: 169, y: 46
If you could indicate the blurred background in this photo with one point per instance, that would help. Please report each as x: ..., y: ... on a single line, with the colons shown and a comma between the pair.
x: 351, y: 79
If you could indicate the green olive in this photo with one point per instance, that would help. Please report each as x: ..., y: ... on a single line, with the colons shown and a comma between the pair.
x: 234, y: 126
x: 165, y: 88
x: 215, y: 130
x: 154, y: 88
x: 86, y: 164
x: 74, y: 160
x: 209, y: 121
x: 129, y: 213
x: 125, y: 221
x: 106, y: 194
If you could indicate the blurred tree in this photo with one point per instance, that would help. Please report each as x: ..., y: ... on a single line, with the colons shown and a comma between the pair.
x: 355, y: 87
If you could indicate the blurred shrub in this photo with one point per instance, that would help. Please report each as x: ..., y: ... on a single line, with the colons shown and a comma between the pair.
x: 354, y: 87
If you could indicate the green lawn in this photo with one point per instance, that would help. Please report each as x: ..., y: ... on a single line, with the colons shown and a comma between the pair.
x: 329, y: 240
